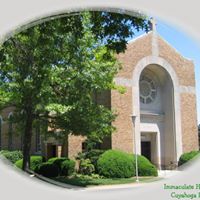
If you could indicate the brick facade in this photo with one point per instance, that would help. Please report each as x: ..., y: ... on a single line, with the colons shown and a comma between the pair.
x: 123, y: 138
x: 189, y: 122
x: 184, y: 68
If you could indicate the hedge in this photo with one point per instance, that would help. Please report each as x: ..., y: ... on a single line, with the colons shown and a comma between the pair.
x: 12, y: 156
x: 35, y: 161
x: 118, y: 164
x: 65, y: 165
x: 187, y: 156
x: 47, y: 169
x: 115, y: 164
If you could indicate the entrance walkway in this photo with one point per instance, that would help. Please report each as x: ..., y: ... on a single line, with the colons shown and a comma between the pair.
x: 167, y: 173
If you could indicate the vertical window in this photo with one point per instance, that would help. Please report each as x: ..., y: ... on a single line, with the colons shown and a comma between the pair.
x: 0, y: 133
x: 84, y: 147
x: 10, y: 131
x: 38, y: 139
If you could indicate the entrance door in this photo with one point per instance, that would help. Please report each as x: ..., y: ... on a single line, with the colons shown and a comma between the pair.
x: 51, y: 150
x: 146, y: 149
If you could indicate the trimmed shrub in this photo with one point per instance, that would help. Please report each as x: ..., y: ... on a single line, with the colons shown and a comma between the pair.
x: 145, y: 167
x: 187, y: 156
x: 67, y: 167
x: 86, y: 167
x: 57, y: 161
x: 47, y: 169
x: 35, y: 161
x: 116, y: 164
x: 12, y: 156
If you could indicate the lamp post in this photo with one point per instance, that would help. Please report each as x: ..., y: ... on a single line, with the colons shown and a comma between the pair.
x: 133, y: 117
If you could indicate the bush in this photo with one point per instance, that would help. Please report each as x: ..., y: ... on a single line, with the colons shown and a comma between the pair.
x: 67, y: 167
x: 12, y: 156
x: 93, y: 155
x: 86, y: 167
x: 3, y: 151
x: 47, y: 169
x: 57, y: 161
x: 116, y: 164
x: 186, y: 157
x: 145, y: 167
x: 35, y: 161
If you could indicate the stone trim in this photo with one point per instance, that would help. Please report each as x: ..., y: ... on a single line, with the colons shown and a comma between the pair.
x: 187, y: 89
x: 155, y: 48
x: 123, y: 81
x: 129, y: 83
x: 144, y: 62
x: 10, y: 115
x: 153, y: 128
x: 139, y: 37
x: 151, y: 117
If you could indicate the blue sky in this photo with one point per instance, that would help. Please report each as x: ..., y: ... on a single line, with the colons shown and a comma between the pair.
x: 186, y: 46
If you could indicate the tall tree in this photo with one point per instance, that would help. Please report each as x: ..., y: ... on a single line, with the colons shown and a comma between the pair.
x: 49, y: 72
x: 92, y: 70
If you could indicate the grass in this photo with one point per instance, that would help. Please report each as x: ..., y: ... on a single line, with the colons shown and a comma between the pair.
x: 86, y: 181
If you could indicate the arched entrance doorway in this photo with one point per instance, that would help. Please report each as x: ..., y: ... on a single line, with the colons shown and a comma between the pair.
x: 157, y: 121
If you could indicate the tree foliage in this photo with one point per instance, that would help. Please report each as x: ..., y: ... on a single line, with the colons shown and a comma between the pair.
x: 50, y: 72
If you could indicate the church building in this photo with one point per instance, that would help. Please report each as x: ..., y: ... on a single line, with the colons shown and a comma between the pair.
x: 156, y: 116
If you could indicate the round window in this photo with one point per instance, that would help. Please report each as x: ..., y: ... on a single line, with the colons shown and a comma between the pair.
x: 147, y: 90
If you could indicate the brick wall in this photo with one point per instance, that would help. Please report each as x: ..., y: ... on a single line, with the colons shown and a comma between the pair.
x: 122, y: 138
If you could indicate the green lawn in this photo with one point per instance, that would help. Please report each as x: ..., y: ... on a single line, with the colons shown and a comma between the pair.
x: 85, y: 181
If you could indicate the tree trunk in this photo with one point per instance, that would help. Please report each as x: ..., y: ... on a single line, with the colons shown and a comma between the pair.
x: 27, y: 141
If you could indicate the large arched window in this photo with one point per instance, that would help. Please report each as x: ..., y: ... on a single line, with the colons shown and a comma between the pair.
x: 158, y: 142
x: 10, y: 131
x: 1, y: 132
x: 147, y: 89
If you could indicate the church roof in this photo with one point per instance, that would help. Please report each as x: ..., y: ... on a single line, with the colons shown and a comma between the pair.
x: 152, y: 45
x: 159, y: 37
